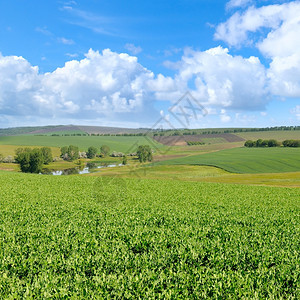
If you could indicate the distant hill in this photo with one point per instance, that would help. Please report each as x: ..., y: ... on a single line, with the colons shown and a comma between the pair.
x: 104, y: 130
x: 68, y: 129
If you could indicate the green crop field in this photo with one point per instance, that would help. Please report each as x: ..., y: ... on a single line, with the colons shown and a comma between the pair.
x: 245, y: 160
x: 89, y: 237
x: 116, y: 143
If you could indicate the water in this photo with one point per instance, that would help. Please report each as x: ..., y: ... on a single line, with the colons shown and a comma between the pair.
x: 89, y: 168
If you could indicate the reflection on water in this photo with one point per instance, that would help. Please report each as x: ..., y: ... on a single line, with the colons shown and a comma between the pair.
x: 89, y: 168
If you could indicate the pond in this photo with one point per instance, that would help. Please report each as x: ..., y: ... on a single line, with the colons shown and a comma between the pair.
x: 85, y: 169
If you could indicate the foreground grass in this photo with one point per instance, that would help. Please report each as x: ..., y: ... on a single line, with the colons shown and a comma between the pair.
x: 86, y: 237
x: 246, y: 160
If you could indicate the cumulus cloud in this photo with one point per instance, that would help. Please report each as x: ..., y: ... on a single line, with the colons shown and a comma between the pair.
x: 281, y: 44
x: 221, y: 79
x: 100, y: 85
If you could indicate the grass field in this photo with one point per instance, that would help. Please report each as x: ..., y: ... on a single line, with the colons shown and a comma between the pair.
x: 201, y: 174
x: 116, y: 143
x: 265, y: 135
x: 6, y: 150
x: 246, y: 160
x: 86, y: 237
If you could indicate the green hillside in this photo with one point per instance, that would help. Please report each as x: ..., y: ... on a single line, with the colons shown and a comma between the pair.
x: 245, y: 160
x: 116, y: 143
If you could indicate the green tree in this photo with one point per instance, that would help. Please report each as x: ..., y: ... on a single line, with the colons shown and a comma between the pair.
x: 69, y: 152
x: 73, y: 152
x: 30, y: 160
x: 259, y: 143
x: 92, y: 151
x: 249, y: 143
x: 63, y: 151
x: 47, y: 155
x: 104, y: 150
x: 144, y: 153
x: 124, y: 160
x: 273, y: 143
x: 36, y: 161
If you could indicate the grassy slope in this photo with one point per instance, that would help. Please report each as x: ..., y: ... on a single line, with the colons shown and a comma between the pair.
x: 80, y: 237
x: 246, y: 160
x: 116, y: 143
x: 201, y: 173
x: 277, y: 135
x: 10, y: 149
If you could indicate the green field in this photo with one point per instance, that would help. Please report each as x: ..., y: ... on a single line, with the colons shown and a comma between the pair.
x: 116, y: 143
x: 245, y: 160
x: 277, y: 135
x: 85, y: 237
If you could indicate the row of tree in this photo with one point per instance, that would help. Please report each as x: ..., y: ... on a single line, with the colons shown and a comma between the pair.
x: 32, y: 160
x: 72, y: 152
x: 272, y: 143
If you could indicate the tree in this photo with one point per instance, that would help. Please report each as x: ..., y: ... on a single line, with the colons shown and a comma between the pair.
x: 249, y: 143
x: 73, y: 152
x: 273, y: 143
x: 259, y: 143
x: 30, y: 160
x: 36, y: 161
x: 144, y: 153
x: 124, y: 160
x: 63, y: 151
x: 1, y: 158
x: 104, y: 150
x: 47, y: 155
x: 91, y: 153
x: 69, y: 152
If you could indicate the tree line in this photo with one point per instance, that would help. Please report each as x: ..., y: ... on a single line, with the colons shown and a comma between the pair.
x: 272, y: 143
x: 32, y: 160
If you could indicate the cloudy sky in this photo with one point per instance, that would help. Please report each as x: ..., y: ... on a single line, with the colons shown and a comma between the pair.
x: 125, y: 63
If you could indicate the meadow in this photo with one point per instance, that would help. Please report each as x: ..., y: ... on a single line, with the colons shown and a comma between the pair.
x: 103, y: 237
x: 126, y: 144
x: 245, y: 160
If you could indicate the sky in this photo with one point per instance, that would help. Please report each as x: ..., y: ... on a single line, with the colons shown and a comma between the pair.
x: 142, y: 63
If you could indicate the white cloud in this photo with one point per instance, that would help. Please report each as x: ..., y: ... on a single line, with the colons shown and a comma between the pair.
x: 65, y: 41
x: 296, y: 111
x: 221, y: 79
x: 281, y: 44
x: 72, y: 55
x: 235, y: 31
x: 224, y: 117
x: 100, y: 85
x: 237, y: 3
x: 133, y: 49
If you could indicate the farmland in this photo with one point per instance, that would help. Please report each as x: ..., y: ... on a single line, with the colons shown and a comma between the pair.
x: 245, y: 160
x: 184, y: 226
x: 64, y: 237
x: 116, y: 143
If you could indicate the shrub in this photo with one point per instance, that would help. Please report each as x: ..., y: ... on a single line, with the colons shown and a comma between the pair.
x: 91, y: 153
x: 69, y: 152
x: 144, y: 153
x: 249, y: 144
x: 47, y: 155
x: 104, y: 150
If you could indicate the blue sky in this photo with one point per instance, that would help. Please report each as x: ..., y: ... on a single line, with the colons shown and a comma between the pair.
x: 125, y: 63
